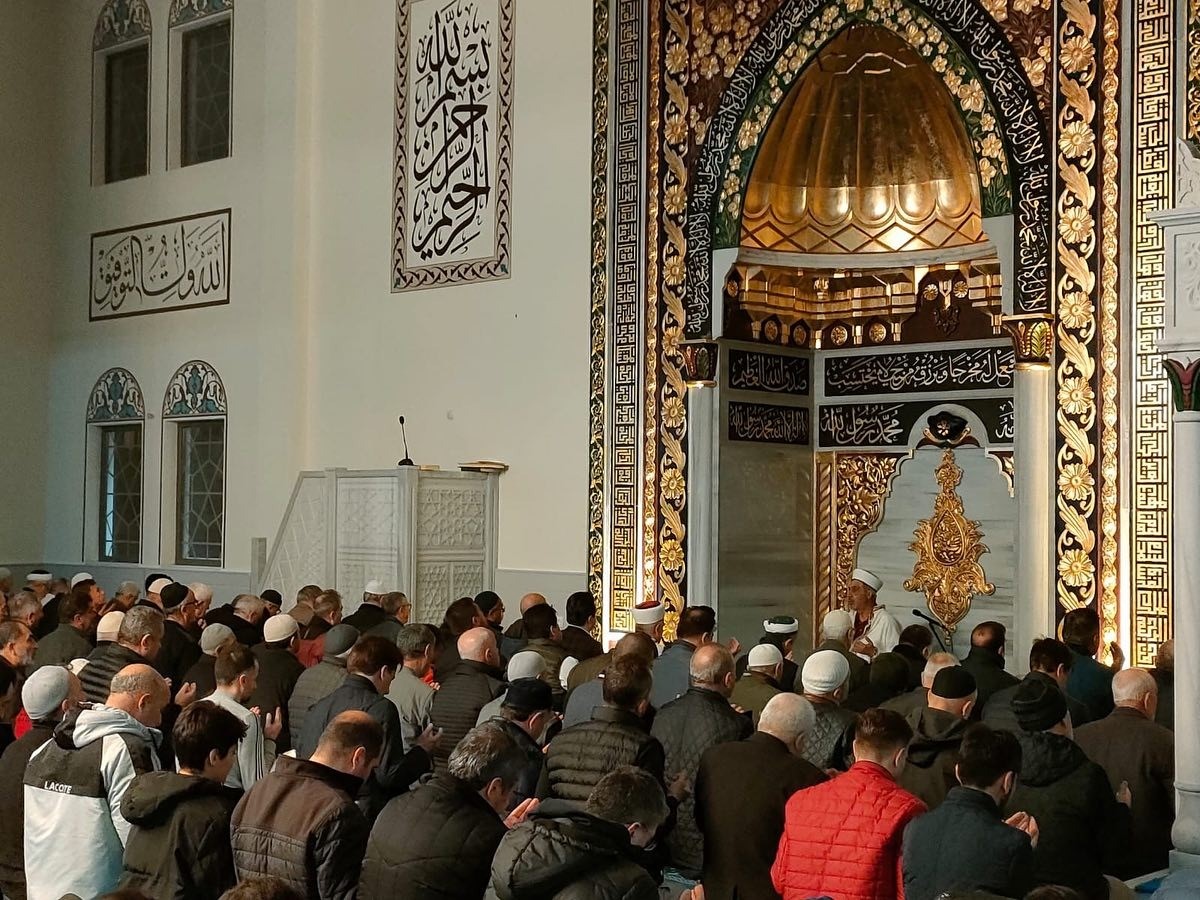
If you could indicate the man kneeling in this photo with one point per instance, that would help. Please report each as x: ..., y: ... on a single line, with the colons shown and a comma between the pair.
x: 562, y: 847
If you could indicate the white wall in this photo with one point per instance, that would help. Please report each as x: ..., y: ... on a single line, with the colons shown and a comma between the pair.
x: 317, y: 355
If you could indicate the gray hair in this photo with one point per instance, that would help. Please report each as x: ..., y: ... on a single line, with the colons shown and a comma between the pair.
x: 201, y: 591
x: 141, y: 680
x: 139, y: 623
x: 393, y: 601
x: 787, y: 716
x: 249, y: 603
x: 22, y: 604
x: 487, y: 752
x: 1132, y: 685
x: 935, y: 664
x: 413, y: 639
x: 710, y: 664
x: 128, y: 589
x: 11, y: 631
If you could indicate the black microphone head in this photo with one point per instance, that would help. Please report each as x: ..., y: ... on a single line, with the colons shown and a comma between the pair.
x: 918, y: 613
x: 402, y: 420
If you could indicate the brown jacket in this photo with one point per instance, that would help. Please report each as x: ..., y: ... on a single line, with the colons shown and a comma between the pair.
x: 1129, y: 747
x: 300, y: 824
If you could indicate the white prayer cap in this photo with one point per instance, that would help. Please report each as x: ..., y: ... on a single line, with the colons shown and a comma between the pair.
x: 44, y: 691
x: 764, y: 655
x: 213, y: 636
x: 80, y: 577
x: 77, y: 665
x: 39, y: 575
x: 781, y: 625
x: 870, y: 579
x: 824, y: 672
x: 526, y: 664
x: 565, y: 670
x: 374, y: 587
x: 280, y: 628
x: 157, y: 585
x: 649, y: 613
x: 835, y: 624
x: 110, y: 625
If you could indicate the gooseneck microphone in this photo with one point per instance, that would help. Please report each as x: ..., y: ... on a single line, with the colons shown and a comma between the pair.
x: 407, y: 461
x: 938, y: 628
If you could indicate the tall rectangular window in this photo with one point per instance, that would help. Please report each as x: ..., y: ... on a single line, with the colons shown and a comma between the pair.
x: 121, y: 493
x: 200, y: 493
x: 126, y: 112
x: 205, y: 93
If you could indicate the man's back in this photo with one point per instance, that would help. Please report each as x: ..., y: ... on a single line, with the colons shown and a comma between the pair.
x: 1080, y: 822
x: 563, y: 853
x: 73, y: 789
x: 413, y: 700
x: 932, y: 754
x: 582, y: 700
x: 741, y: 790
x: 456, y: 705
x: 437, y: 841
x: 583, y: 754
x: 300, y: 824
x: 179, y: 846
x: 671, y: 673
x: 752, y: 693
x: 103, y: 663
x: 828, y: 745
x: 1131, y: 748
x: 12, y: 801
x: 964, y: 845
x: 278, y: 672
x: 588, y: 669
x: 1090, y: 682
x: 687, y: 727
x: 178, y: 653
x: 60, y: 646
x: 999, y: 716
x: 578, y: 643
x: 843, y: 838
x: 987, y: 668
x: 312, y: 686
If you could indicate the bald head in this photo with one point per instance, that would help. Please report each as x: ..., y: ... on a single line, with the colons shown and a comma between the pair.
x: 352, y: 742
x: 478, y: 645
x: 636, y: 644
x: 141, y: 692
x: 788, y: 717
x: 1136, y: 689
x: 712, y: 668
x: 935, y: 664
x: 529, y: 601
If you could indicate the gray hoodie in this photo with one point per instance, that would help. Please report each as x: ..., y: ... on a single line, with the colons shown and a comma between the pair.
x: 73, y: 790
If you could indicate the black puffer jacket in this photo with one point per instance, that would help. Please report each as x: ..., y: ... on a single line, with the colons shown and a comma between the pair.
x: 933, y: 754
x: 278, y: 672
x: 583, y: 754
x: 562, y: 853
x: 465, y: 690
x: 300, y: 824
x: 103, y: 663
x: 687, y: 727
x: 829, y: 745
x: 1081, y: 824
x: 436, y: 842
x: 179, y: 846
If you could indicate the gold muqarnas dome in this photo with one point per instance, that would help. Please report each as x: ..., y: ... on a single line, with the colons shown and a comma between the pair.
x: 866, y: 154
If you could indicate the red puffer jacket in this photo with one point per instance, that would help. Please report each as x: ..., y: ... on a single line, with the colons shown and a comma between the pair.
x: 842, y: 838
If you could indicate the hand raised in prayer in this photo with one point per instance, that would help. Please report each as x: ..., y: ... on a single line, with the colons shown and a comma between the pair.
x: 735, y: 646
x: 524, y: 809
x: 273, y: 725
x: 679, y: 787
x: 186, y: 694
x: 1118, y: 656
x: 1026, y: 823
x: 696, y: 893
x: 429, y: 739
x: 1125, y: 795
x: 865, y: 646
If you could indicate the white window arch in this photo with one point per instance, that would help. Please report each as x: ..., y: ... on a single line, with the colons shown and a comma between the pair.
x: 115, y: 447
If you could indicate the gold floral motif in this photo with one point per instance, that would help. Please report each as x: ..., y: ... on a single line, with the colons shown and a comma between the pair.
x: 674, y: 412
x: 948, y: 547
x: 863, y: 483
x: 1077, y: 54
x: 1075, y: 481
x: 1076, y: 139
x: 1076, y: 396
x: 670, y: 556
x: 672, y: 484
x: 1076, y: 568
x: 1076, y: 309
x: 1076, y: 224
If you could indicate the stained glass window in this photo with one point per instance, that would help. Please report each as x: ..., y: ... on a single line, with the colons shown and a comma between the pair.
x: 126, y: 130
x: 204, y: 98
x: 200, y: 493
x: 121, y: 493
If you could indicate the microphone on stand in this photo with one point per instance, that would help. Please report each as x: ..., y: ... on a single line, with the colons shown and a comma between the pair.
x: 407, y: 461
x: 938, y: 628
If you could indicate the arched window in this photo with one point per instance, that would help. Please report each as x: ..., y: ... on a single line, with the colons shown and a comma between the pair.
x: 116, y: 417
x: 194, y: 411
x: 200, y: 120
x: 121, y: 91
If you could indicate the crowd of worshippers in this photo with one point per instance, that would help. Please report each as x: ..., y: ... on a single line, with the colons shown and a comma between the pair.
x: 156, y: 746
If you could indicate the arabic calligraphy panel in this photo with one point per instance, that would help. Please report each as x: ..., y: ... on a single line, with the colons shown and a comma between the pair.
x: 765, y: 424
x: 929, y: 371
x: 160, y: 266
x: 453, y: 151
x: 890, y: 424
x: 769, y: 372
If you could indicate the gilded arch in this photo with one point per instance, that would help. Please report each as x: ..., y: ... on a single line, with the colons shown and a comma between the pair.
x: 788, y: 41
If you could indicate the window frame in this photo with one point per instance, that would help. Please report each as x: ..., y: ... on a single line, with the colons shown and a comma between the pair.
x: 175, y: 61
x: 102, y: 494
x: 100, y: 106
x: 181, y: 427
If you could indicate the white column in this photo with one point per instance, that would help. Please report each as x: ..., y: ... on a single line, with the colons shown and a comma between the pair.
x: 1186, y: 595
x: 701, y: 498
x: 1033, y: 462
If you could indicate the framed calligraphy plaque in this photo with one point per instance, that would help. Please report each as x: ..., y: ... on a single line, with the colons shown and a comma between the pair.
x: 920, y: 372
x: 765, y: 424
x: 453, y: 142
x: 768, y: 372
x: 160, y: 266
x: 889, y: 424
